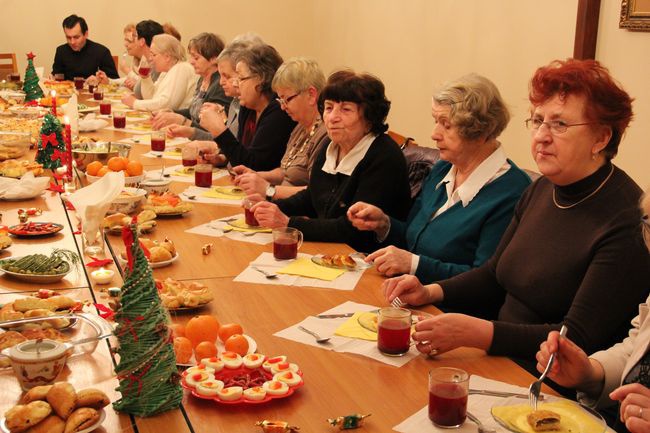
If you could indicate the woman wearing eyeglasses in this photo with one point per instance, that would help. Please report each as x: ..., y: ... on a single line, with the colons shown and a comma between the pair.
x: 298, y: 83
x: 573, y: 252
x: 264, y: 128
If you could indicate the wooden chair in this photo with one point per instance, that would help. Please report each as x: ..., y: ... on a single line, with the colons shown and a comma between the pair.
x: 419, y: 160
x: 116, y: 60
x: 8, y: 64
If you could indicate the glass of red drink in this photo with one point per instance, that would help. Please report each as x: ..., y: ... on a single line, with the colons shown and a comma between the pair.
x: 448, y: 390
x: 14, y: 77
x: 59, y: 77
x: 249, y: 216
x: 98, y: 94
x: 394, y: 331
x: 189, y: 156
x: 91, y: 88
x: 203, y: 175
x: 105, y: 107
x: 79, y: 82
x: 158, y: 141
x: 119, y: 119
x: 286, y: 241
x: 144, y: 69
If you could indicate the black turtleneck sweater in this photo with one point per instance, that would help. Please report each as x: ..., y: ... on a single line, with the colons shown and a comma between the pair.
x: 586, y: 266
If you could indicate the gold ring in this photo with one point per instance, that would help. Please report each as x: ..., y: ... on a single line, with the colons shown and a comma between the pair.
x: 433, y: 351
x: 640, y: 412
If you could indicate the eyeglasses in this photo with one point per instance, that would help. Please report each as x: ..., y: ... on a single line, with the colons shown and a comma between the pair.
x: 240, y: 79
x: 286, y: 101
x: 555, y: 126
x: 645, y: 228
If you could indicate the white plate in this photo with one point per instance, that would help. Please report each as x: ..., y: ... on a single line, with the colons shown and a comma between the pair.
x: 252, y: 347
x: 102, y: 416
x: 32, y: 278
x: 153, y: 265
x: 89, y: 109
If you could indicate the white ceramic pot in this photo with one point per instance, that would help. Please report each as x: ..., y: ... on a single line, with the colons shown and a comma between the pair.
x: 158, y: 186
x: 37, y: 362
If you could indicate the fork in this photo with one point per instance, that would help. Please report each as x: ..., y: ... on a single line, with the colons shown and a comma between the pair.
x: 397, y: 303
x: 536, y: 387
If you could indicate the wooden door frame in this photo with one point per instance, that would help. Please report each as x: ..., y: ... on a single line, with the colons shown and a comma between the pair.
x: 586, y: 35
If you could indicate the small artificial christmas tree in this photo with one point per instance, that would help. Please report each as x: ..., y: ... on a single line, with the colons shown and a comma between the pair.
x: 149, y: 380
x: 51, y: 145
x: 32, y: 89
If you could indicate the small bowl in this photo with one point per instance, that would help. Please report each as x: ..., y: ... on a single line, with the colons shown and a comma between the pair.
x: 89, y: 152
x: 128, y: 203
x: 157, y: 186
x: 37, y: 363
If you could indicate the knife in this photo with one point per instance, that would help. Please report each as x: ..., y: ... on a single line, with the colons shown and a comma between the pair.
x: 334, y: 316
x: 500, y: 393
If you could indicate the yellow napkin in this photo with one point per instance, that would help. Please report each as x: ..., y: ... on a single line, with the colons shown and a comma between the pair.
x: 173, y: 153
x: 183, y: 172
x: 241, y: 226
x: 224, y: 192
x: 306, y: 268
x: 351, y: 328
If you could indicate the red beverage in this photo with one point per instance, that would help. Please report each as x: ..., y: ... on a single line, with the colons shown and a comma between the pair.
x: 119, y: 122
x: 98, y: 96
x: 393, y: 337
x: 189, y: 162
x: 79, y: 83
x: 14, y: 77
x: 158, y: 144
x: 203, y: 178
x: 91, y: 88
x: 144, y: 71
x: 285, y: 249
x: 252, y: 221
x: 105, y: 108
x: 448, y: 405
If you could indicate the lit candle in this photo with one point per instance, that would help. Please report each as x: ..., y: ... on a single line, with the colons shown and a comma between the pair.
x: 102, y: 276
x: 68, y: 147
x: 53, y: 95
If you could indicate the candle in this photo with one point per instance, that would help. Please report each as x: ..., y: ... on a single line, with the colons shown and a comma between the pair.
x: 102, y: 276
x: 68, y: 147
x: 53, y: 96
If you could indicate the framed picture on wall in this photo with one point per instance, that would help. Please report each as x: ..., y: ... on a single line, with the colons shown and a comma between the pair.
x: 635, y: 15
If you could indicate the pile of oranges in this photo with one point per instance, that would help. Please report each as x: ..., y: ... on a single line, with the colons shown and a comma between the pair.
x: 116, y: 163
x: 199, y: 337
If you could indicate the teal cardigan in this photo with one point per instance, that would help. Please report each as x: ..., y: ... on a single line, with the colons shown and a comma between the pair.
x: 461, y: 238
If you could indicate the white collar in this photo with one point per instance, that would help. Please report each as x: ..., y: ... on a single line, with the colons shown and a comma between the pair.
x: 492, y: 167
x: 349, y: 162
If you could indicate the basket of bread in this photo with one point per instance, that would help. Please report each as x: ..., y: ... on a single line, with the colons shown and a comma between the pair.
x: 114, y: 223
x: 158, y: 254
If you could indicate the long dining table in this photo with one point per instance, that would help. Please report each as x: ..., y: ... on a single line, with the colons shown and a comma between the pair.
x: 334, y: 383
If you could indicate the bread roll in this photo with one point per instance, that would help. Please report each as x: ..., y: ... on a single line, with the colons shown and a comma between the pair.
x: 81, y: 419
x: 63, y: 399
x: 92, y: 397
x: 159, y: 254
x: 36, y: 393
x: 51, y: 424
x: 113, y: 220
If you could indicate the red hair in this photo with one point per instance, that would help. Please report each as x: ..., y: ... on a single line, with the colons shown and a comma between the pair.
x: 606, y: 101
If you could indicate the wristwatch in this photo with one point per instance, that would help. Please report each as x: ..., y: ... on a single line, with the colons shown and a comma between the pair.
x: 270, y: 192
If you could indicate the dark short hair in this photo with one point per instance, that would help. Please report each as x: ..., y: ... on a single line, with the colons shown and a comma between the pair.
x: 73, y: 20
x: 147, y: 29
x: 206, y: 44
x: 364, y: 89
x: 263, y: 61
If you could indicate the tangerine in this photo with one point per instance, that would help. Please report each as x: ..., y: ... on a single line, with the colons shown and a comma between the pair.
x: 202, y: 328
x: 116, y: 163
x: 237, y: 343
x: 225, y: 331
x: 93, y: 168
x: 102, y: 171
x: 182, y: 350
x: 205, y: 349
x: 178, y: 330
x: 134, y: 168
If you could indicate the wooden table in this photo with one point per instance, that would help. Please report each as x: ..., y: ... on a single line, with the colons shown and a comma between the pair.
x: 335, y: 383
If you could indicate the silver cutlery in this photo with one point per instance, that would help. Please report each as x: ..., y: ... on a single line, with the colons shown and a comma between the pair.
x: 536, y: 387
x: 500, y: 393
x: 334, y: 316
x: 228, y: 219
x: 397, y: 303
x: 481, y: 427
x: 249, y: 234
x: 319, y: 339
x: 267, y: 274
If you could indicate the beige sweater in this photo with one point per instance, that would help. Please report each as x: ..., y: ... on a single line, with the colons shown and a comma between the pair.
x: 173, y: 89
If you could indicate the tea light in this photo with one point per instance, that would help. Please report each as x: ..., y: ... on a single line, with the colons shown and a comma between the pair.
x: 114, y: 292
x: 102, y: 276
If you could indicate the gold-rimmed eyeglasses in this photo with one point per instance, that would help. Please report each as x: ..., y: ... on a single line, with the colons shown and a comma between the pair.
x: 645, y: 228
x: 555, y: 126
x: 285, y: 101
x: 238, y: 80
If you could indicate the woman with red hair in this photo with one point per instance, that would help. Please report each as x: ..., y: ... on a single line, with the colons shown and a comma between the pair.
x: 573, y: 253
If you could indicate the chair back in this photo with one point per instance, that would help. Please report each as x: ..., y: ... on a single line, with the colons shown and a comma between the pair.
x: 8, y: 64
x: 419, y: 160
x: 116, y: 60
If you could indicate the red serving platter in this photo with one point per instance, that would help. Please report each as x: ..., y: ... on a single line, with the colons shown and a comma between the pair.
x: 32, y: 228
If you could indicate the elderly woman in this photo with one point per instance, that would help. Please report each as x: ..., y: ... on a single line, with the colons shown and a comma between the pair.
x: 573, y: 239
x: 298, y: 82
x: 174, y: 87
x: 619, y: 373
x: 128, y: 69
x: 468, y: 199
x: 361, y: 163
x: 204, y: 50
x: 264, y: 128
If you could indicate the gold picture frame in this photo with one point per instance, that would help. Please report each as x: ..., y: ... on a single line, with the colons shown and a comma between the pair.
x: 635, y: 15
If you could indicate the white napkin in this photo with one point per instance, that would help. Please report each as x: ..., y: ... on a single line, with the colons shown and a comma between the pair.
x: 70, y: 109
x: 215, y: 228
x: 92, y: 201
x: 91, y: 123
x: 24, y: 188
x: 326, y: 328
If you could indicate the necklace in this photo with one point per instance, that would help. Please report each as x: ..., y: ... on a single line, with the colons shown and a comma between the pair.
x: 585, y: 198
x: 295, y: 151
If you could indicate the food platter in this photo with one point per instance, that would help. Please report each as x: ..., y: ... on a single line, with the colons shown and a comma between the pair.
x: 154, y: 265
x: 359, y: 263
x: 102, y: 417
x: 35, y: 278
x: 35, y: 229
x: 175, y: 213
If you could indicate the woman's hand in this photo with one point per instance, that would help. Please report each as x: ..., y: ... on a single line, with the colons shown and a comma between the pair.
x: 166, y: 118
x: 410, y: 291
x: 99, y: 77
x: 128, y: 100
x: 446, y: 332
x: 130, y: 83
x: 252, y: 183
x: 572, y: 368
x: 213, y: 118
x: 391, y: 261
x: 367, y: 217
x: 268, y: 214
x: 635, y: 406
x: 180, y: 131
x: 241, y: 169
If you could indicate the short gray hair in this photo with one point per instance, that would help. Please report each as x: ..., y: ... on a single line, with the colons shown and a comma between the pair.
x: 477, y: 108
x: 167, y: 44
x: 238, y: 44
x: 299, y: 74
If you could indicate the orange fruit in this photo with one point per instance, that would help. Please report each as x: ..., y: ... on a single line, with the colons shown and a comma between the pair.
x: 182, y: 349
x: 134, y: 168
x: 225, y: 331
x: 116, y: 163
x: 205, y: 349
x: 93, y: 168
x: 178, y: 330
x: 102, y: 171
x: 202, y: 328
x: 237, y: 343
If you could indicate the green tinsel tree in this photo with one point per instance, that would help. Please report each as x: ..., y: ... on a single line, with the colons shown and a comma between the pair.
x: 149, y: 380
x: 51, y: 145
x: 32, y: 89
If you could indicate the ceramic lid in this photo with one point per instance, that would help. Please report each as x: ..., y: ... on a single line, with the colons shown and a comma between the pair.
x: 37, y: 350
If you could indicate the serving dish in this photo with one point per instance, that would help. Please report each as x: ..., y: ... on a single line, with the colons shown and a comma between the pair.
x: 129, y: 201
x: 154, y: 265
x: 102, y: 417
x: 339, y: 263
x: 35, y: 229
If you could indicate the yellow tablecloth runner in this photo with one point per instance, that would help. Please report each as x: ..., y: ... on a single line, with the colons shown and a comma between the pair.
x: 306, y: 268
x: 351, y: 328
x: 214, y: 192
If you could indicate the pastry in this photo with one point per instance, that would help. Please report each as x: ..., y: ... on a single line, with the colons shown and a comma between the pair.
x: 9, y: 339
x: 63, y: 399
x: 114, y: 220
x: 21, y: 417
x: 91, y: 397
x: 544, y: 420
x: 36, y: 393
x: 81, y: 419
x: 51, y: 424
x: 159, y: 254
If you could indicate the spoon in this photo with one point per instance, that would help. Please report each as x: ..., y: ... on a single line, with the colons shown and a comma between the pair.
x: 267, y: 274
x: 481, y: 427
x: 319, y: 339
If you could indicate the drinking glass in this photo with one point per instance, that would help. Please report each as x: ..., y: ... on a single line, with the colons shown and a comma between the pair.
x: 59, y: 77
x: 189, y: 155
x: 158, y: 141
x: 448, y: 390
x: 79, y: 82
x: 286, y: 241
x: 203, y: 175
x: 105, y: 107
x: 249, y: 216
x: 144, y: 69
x: 93, y: 243
x: 119, y: 119
x: 98, y: 94
x: 394, y: 331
